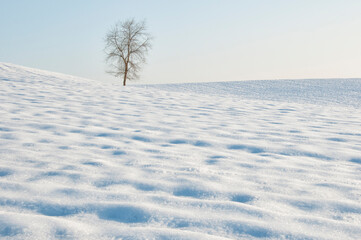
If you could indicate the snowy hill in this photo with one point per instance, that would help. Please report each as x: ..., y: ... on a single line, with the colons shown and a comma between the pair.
x: 82, y: 159
x: 346, y: 92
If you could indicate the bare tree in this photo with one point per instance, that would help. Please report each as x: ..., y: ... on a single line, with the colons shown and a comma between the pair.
x: 127, y: 45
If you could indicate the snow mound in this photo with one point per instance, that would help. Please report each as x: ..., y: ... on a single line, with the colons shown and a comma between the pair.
x: 82, y: 159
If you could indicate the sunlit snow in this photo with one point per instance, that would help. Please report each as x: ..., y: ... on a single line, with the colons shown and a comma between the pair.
x: 85, y: 159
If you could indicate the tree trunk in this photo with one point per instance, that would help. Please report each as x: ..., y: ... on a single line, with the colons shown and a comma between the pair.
x: 125, y: 76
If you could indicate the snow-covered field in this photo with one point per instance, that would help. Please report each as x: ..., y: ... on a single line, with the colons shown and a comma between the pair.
x: 83, y: 159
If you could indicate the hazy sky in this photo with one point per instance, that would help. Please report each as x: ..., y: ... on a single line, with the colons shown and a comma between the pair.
x: 194, y: 40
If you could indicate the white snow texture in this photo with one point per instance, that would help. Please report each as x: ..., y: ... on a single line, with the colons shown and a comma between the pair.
x: 84, y: 159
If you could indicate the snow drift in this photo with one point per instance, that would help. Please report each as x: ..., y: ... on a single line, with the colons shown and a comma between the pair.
x: 82, y: 159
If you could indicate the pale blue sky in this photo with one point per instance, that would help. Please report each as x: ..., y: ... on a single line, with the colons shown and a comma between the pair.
x: 194, y: 40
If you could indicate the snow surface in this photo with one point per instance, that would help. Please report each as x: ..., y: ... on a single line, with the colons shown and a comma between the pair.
x: 82, y: 159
